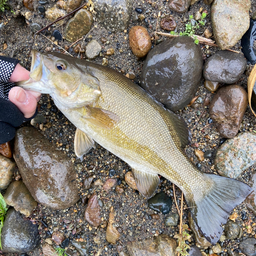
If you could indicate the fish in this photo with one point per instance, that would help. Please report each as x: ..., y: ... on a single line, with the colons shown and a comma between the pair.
x: 111, y: 110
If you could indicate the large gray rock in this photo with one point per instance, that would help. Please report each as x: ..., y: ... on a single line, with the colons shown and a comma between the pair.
x: 172, y: 72
x: 18, y: 234
x: 48, y: 173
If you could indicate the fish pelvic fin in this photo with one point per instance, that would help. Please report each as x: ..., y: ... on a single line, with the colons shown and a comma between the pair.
x: 213, y: 210
x: 147, y: 183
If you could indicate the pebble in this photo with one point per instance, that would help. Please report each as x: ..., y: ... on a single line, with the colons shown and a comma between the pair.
x: 19, y: 235
x: 54, y: 13
x: 236, y: 155
x: 49, y: 250
x: 161, y: 245
x: 35, y: 27
x: 79, y: 25
x: 172, y: 220
x: 18, y: 196
x: 69, y: 5
x: 199, y: 154
x: 5, y: 150
x: 88, y: 182
x: 247, y: 43
x: 93, y: 49
x: 208, y: 33
x: 179, y: 5
x: 139, y: 41
x: 168, y: 23
x: 57, y: 35
x: 110, y: 183
x: 48, y: 173
x: 7, y: 167
x: 81, y: 247
x: 58, y: 237
x: 227, y: 15
x: 217, y: 248
x: 250, y: 201
x: 119, y: 189
x: 129, y: 179
x: 29, y: 4
x: 172, y: 72
x: 211, y: 86
x: 160, y: 203
x: 114, y: 17
x: 248, y: 246
x: 224, y: 67
x: 194, y: 251
x: 92, y: 212
x: 227, y: 109
x: 41, y: 9
x: 110, y: 51
x: 112, y: 234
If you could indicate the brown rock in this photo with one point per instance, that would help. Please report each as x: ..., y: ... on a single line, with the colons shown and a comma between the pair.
x: 18, y: 196
x: 92, y: 212
x: 54, y: 13
x: 48, y: 250
x: 112, y: 234
x: 7, y: 167
x: 109, y: 184
x: 69, y: 5
x: 119, y: 190
x: 168, y: 23
x: 179, y: 5
x: 199, y: 154
x: 227, y: 109
x: 129, y: 179
x: 5, y: 150
x: 211, y: 86
x: 139, y: 41
x: 29, y: 4
x: 58, y: 237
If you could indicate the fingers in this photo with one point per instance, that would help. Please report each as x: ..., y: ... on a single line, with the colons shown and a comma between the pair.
x: 26, y: 101
x: 19, y: 74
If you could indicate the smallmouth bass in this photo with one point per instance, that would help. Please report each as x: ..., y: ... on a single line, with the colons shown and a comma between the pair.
x: 109, y: 109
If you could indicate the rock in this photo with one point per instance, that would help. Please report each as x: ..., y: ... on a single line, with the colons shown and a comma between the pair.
x: 114, y: 15
x: 160, y: 203
x: 211, y: 86
x: 247, y: 43
x: 224, y: 67
x: 7, y: 167
x: 172, y: 72
x: 236, y: 155
x: 112, y: 234
x: 194, y: 251
x: 5, y: 150
x: 232, y: 230
x: 161, y: 245
x: 109, y: 184
x: 119, y: 189
x: 29, y: 4
x: 93, y: 49
x: 227, y: 15
x: 199, y: 154
x: 139, y: 41
x: 179, y: 5
x: 168, y: 23
x: 18, y: 235
x: 48, y: 250
x: 58, y: 237
x: 48, y: 173
x: 69, y: 5
x: 172, y: 220
x: 208, y: 1
x: 92, y: 212
x: 79, y: 25
x: 250, y: 201
x: 57, y: 35
x: 54, y: 13
x: 18, y: 196
x: 217, y: 248
x: 248, y: 246
x: 35, y: 27
x: 88, y: 182
x: 129, y: 179
x: 227, y: 109
x: 81, y: 247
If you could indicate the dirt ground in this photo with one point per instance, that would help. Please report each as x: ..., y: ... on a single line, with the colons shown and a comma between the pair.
x: 133, y: 216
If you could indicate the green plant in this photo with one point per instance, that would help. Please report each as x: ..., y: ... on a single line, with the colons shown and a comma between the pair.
x: 3, y: 210
x: 61, y: 251
x: 4, y: 6
x: 191, y: 27
x: 182, y: 248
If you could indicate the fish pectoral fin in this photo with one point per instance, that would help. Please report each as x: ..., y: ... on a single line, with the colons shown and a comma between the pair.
x: 82, y: 143
x: 101, y: 117
x: 146, y: 182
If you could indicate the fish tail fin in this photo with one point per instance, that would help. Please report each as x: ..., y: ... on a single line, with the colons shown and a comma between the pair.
x: 213, y: 210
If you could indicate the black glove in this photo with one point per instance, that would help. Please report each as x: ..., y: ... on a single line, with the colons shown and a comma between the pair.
x: 10, y: 116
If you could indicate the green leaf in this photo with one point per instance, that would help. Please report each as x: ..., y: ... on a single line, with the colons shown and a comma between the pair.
x: 191, y: 17
x: 203, y: 16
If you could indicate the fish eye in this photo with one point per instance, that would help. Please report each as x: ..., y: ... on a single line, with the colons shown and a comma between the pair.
x: 61, y: 66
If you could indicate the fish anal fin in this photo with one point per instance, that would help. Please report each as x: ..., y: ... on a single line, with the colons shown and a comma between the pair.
x: 82, y: 143
x: 212, y: 211
x: 146, y: 183
x: 101, y: 117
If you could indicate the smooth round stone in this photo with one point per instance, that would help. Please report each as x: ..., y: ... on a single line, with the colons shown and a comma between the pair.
x: 172, y: 220
x: 93, y: 49
x: 194, y: 251
x: 225, y: 67
x: 41, y: 9
x: 211, y: 86
x: 56, y: 33
x: 160, y: 203
x: 232, y: 230
x: 168, y: 23
x: 35, y: 27
x: 172, y: 72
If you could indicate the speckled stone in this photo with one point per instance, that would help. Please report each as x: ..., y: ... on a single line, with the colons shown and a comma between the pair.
x: 54, y: 13
x: 232, y: 230
x: 7, y: 167
x: 230, y: 20
x: 248, y: 246
x: 236, y: 155
x: 93, y: 49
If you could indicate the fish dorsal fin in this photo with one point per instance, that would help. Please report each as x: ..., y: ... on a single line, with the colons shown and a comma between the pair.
x: 101, y: 117
x: 146, y: 182
x: 177, y: 128
x: 82, y: 143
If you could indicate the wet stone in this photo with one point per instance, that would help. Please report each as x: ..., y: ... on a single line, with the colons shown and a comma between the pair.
x: 227, y: 15
x: 139, y: 41
x: 109, y: 184
x: 179, y: 5
x: 57, y: 35
x: 172, y: 220
x: 18, y: 234
x: 224, y: 67
x: 211, y: 86
x: 5, y: 150
x: 7, y: 167
x: 236, y: 155
x: 172, y: 72
x: 227, y: 109
x: 58, y: 237
x: 248, y: 247
x: 48, y: 173
x: 18, y: 196
x: 93, y: 49
x: 160, y: 203
x: 92, y: 212
x: 194, y: 251
x: 168, y: 23
x: 79, y: 25
x: 41, y: 9
x: 232, y: 230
